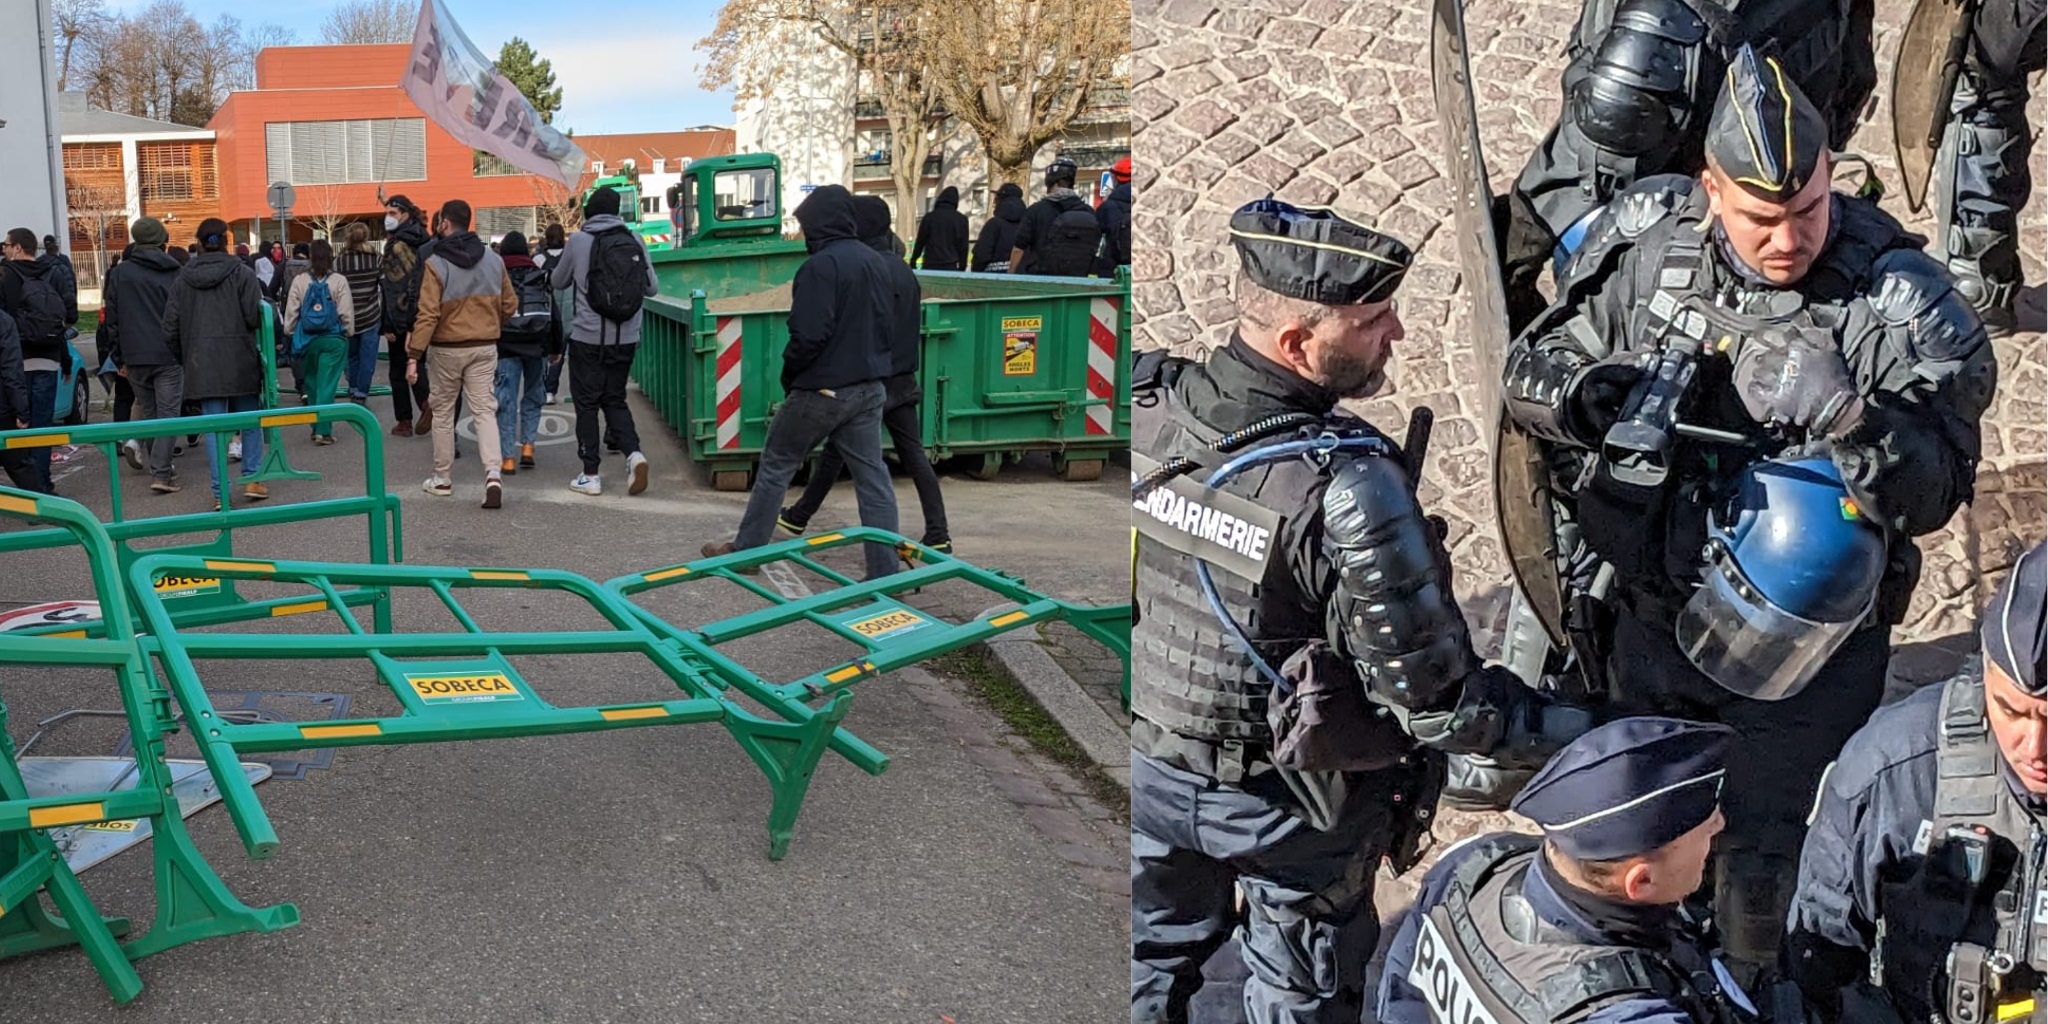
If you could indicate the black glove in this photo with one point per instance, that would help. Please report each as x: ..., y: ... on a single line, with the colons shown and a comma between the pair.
x: 1599, y: 393
x: 1787, y: 377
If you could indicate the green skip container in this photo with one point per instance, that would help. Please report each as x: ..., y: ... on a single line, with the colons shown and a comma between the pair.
x: 1011, y: 364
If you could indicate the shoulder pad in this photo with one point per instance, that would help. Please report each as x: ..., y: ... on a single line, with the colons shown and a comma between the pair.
x: 1896, y: 735
x: 1156, y: 368
x: 1911, y: 291
x: 1625, y: 220
x: 1664, y: 19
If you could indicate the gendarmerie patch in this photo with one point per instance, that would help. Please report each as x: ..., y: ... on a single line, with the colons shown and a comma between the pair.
x: 1227, y: 531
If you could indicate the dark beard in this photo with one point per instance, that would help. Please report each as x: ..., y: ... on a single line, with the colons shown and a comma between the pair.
x: 1352, y: 377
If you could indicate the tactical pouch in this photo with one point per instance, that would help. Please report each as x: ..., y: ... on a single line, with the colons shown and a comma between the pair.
x: 1325, y: 724
x: 1624, y: 523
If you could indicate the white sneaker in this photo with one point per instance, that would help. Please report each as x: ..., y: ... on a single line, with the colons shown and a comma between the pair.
x: 235, y: 449
x: 636, y: 464
x: 438, y: 487
x: 132, y: 451
x: 586, y: 484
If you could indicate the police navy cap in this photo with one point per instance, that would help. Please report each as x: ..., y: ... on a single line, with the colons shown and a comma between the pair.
x: 2016, y: 623
x: 1628, y: 787
x: 1765, y: 133
x: 1316, y: 255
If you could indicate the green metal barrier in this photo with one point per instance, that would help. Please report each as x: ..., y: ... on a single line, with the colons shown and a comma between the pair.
x: 869, y: 614
x: 1010, y: 364
x: 207, y: 597
x: 191, y: 900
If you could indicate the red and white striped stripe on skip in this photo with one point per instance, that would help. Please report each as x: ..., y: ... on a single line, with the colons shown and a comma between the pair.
x: 1102, y: 366
x: 728, y: 382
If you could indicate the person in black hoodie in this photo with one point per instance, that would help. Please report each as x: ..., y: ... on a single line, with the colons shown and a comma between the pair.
x: 403, y: 264
x: 210, y: 321
x: 942, y: 236
x: 14, y: 409
x: 136, y: 295
x: 530, y: 339
x: 900, y: 414
x: 999, y: 232
x: 1115, y: 217
x: 33, y: 291
x: 840, y: 310
x: 1058, y: 236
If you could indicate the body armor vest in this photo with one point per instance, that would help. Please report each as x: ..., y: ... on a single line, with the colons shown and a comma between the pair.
x: 1482, y: 944
x: 1941, y: 908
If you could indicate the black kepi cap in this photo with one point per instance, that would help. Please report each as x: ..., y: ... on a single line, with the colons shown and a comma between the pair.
x: 2016, y: 623
x: 1765, y: 134
x: 1628, y: 787
x: 1316, y: 255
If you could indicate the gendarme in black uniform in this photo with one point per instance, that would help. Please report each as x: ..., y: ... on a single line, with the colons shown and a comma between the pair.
x: 1922, y: 795
x: 1350, y: 598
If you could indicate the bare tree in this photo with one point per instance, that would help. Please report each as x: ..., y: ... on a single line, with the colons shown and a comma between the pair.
x: 553, y: 204
x: 95, y: 207
x: 1017, y: 72
x: 327, y: 214
x: 887, y: 40
x: 370, y: 21
x: 75, y: 22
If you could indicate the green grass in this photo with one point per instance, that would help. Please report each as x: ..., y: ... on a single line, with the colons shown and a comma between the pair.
x: 88, y: 319
x: 994, y: 689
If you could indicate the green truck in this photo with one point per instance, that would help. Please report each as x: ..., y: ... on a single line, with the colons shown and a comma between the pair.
x: 1012, y: 363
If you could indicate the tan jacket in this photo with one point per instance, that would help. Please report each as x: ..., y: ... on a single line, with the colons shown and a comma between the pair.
x: 462, y: 307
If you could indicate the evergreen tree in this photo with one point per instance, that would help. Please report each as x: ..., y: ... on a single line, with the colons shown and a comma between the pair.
x: 535, y: 78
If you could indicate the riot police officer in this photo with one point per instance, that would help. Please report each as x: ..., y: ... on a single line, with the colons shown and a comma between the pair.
x: 1927, y: 845
x: 1981, y: 169
x: 1297, y: 650
x: 1753, y: 393
x: 1637, y: 94
x: 1585, y: 924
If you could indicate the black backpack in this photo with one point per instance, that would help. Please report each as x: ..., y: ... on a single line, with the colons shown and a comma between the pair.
x: 1068, y: 248
x: 616, y: 283
x: 41, y: 316
x: 536, y: 315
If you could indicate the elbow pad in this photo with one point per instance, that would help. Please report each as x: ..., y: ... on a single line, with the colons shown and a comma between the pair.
x: 1536, y: 389
x: 1636, y: 98
x: 1392, y: 609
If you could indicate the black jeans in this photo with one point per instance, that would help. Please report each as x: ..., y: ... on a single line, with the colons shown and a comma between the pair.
x: 403, y: 398
x: 900, y: 419
x: 597, y: 381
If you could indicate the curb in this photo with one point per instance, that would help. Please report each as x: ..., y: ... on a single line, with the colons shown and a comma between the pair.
x: 1023, y: 657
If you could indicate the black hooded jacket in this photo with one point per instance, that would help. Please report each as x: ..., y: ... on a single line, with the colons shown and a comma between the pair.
x: 840, y: 301
x: 136, y: 294
x: 999, y: 232
x: 210, y: 321
x: 403, y: 265
x: 906, y: 334
x: 1115, y: 217
x: 942, y: 237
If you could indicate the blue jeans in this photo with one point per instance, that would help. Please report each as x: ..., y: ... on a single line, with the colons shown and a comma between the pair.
x: 252, y: 437
x: 361, y: 367
x: 521, y: 392
x: 42, y: 411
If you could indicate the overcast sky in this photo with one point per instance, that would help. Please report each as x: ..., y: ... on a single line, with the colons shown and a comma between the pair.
x: 623, y: 65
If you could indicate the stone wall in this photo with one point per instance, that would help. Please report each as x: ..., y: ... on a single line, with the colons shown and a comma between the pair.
x: 1327, y: 102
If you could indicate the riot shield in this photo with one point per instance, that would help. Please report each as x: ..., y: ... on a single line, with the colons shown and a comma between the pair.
x: 1521, y: 495
x: 1931, y: 52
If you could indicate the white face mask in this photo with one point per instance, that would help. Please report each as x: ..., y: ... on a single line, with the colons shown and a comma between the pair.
x: 390, y: 222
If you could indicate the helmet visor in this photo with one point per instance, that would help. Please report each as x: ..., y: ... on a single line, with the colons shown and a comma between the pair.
x: 1750, y: 646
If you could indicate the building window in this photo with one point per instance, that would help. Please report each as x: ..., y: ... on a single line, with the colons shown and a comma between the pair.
x: 497, y: 221
x: 346, y: 152
x: 92, y: 156
x: 170, y: 171
x: 490, y: 165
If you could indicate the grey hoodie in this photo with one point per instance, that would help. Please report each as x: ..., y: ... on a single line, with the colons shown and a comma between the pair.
x: 574, y: 268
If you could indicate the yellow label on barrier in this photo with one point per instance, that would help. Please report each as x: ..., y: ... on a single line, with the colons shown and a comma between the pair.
x: 497, y: 574
x: 66, y: 814
x: 300, y: 608
x: 464, y: 689
x: 232, y: 565
x: 1020, y: 345
x: 323, y: 732
x: 845, y: 672
x: 69, y: 634
x: 1004, y: 620
x: 825, y: 538
x: 13, y: 504
x: 621, y: 714
x: 666, y: 574
x: 39, y: 441
x: 288, y: 419
x: 185, y: 586
x: 112, y: 826
x: 886, y: 623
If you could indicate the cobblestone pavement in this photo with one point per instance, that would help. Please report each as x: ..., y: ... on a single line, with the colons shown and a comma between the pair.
x: 1099, y: 671
x: 1090, y: 837
x: 1328, y: 102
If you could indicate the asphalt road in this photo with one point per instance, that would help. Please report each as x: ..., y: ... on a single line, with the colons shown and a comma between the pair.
x: 620, y: 876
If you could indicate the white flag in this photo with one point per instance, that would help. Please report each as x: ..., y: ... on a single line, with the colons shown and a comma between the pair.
x: 461, y: 90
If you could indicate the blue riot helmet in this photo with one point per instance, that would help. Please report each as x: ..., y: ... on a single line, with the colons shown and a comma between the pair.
x: 1792, y: 569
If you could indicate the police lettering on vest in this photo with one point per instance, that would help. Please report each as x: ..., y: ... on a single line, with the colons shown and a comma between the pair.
x: 1451, y: 997
x: 1223, y: 529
